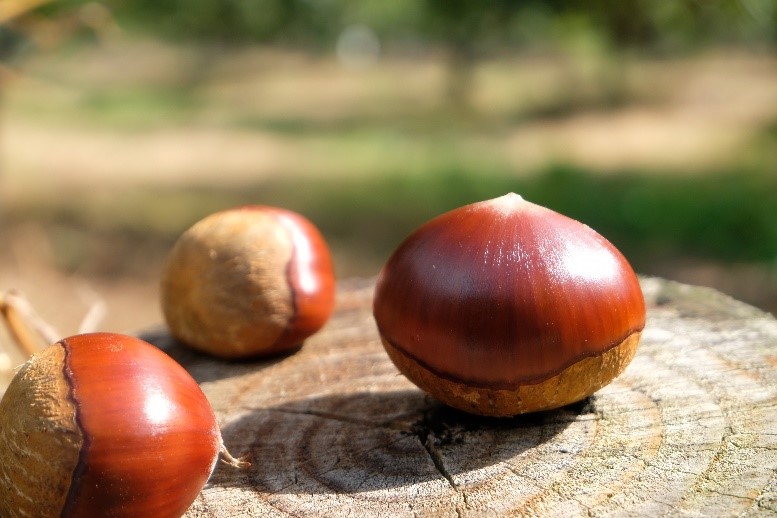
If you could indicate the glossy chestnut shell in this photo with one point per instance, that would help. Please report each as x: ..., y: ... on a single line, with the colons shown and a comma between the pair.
x: 250, y: 281
x: 104, y: 425
x: 504, y: 307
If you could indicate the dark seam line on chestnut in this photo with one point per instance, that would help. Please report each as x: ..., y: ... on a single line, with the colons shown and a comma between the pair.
x: 507, y: 386
x: 78, y: 471
x: 292, y: 291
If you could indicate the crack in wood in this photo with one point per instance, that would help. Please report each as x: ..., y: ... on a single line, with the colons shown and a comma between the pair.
x: 731, y: 495
x: 434, y: 454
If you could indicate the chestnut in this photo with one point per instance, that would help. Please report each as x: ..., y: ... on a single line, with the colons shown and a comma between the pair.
x: 249, y: 281
x: 504, y: 307
x: 104, y: 424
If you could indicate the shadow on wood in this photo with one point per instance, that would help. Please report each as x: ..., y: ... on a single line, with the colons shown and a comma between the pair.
x: 203, y: 367
x: 368, y: 441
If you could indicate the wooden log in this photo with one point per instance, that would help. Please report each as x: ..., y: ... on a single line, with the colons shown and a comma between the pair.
x: 689, y: 429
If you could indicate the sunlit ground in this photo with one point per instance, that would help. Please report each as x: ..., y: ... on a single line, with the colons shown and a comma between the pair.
x: 110, y: 151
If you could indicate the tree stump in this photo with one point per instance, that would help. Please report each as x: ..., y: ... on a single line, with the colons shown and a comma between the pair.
x: 690, y: 428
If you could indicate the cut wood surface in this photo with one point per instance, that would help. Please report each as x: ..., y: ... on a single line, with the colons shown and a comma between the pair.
x: 689, y: 429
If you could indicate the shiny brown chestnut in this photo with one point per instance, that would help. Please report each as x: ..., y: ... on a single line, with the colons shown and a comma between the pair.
x: 249, y: 281
x: 505, y: 307
x: 104, y: 424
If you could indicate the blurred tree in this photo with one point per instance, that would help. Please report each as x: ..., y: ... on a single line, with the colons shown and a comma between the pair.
x: 683, y: 24
x: 235, y: 22
x: 44, y: 24
x: 48, y: 23
x: 11, y: 9
x: 468, y: 30
x: 464, y: 30
x: 460, y: 25
x: 10, y: 37
x: 456, y: 24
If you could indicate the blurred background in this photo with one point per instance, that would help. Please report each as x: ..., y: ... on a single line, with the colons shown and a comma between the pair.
x: 122, y: 122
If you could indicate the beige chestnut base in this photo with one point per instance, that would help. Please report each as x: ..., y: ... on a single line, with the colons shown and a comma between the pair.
x: 574, y: 383
x: 39, y: 439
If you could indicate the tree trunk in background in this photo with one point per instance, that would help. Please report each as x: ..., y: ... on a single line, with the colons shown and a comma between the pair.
x: 335, y: 430
x: 460, y: 79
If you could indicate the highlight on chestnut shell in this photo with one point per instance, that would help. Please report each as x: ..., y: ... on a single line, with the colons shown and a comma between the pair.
x: 505, y: 307
x: 104, y: 424
x: 250, y: 281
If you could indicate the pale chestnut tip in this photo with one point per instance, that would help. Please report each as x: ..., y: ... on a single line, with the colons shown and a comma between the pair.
x: 248, y: 282
x: 503, y: 307
x: 508, y: 200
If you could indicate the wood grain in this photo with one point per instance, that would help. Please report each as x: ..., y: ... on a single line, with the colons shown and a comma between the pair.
x: 689, y: 429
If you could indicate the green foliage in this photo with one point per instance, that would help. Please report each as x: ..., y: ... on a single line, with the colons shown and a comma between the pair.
x: 10, y: 42
x: 645, y: 24
x: 726, y: 217
x: 683, y: 23
x: 458, y: 24
x: 234, y: 21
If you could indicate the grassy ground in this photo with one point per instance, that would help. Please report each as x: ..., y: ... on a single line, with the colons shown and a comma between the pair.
x: 110, y: 152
